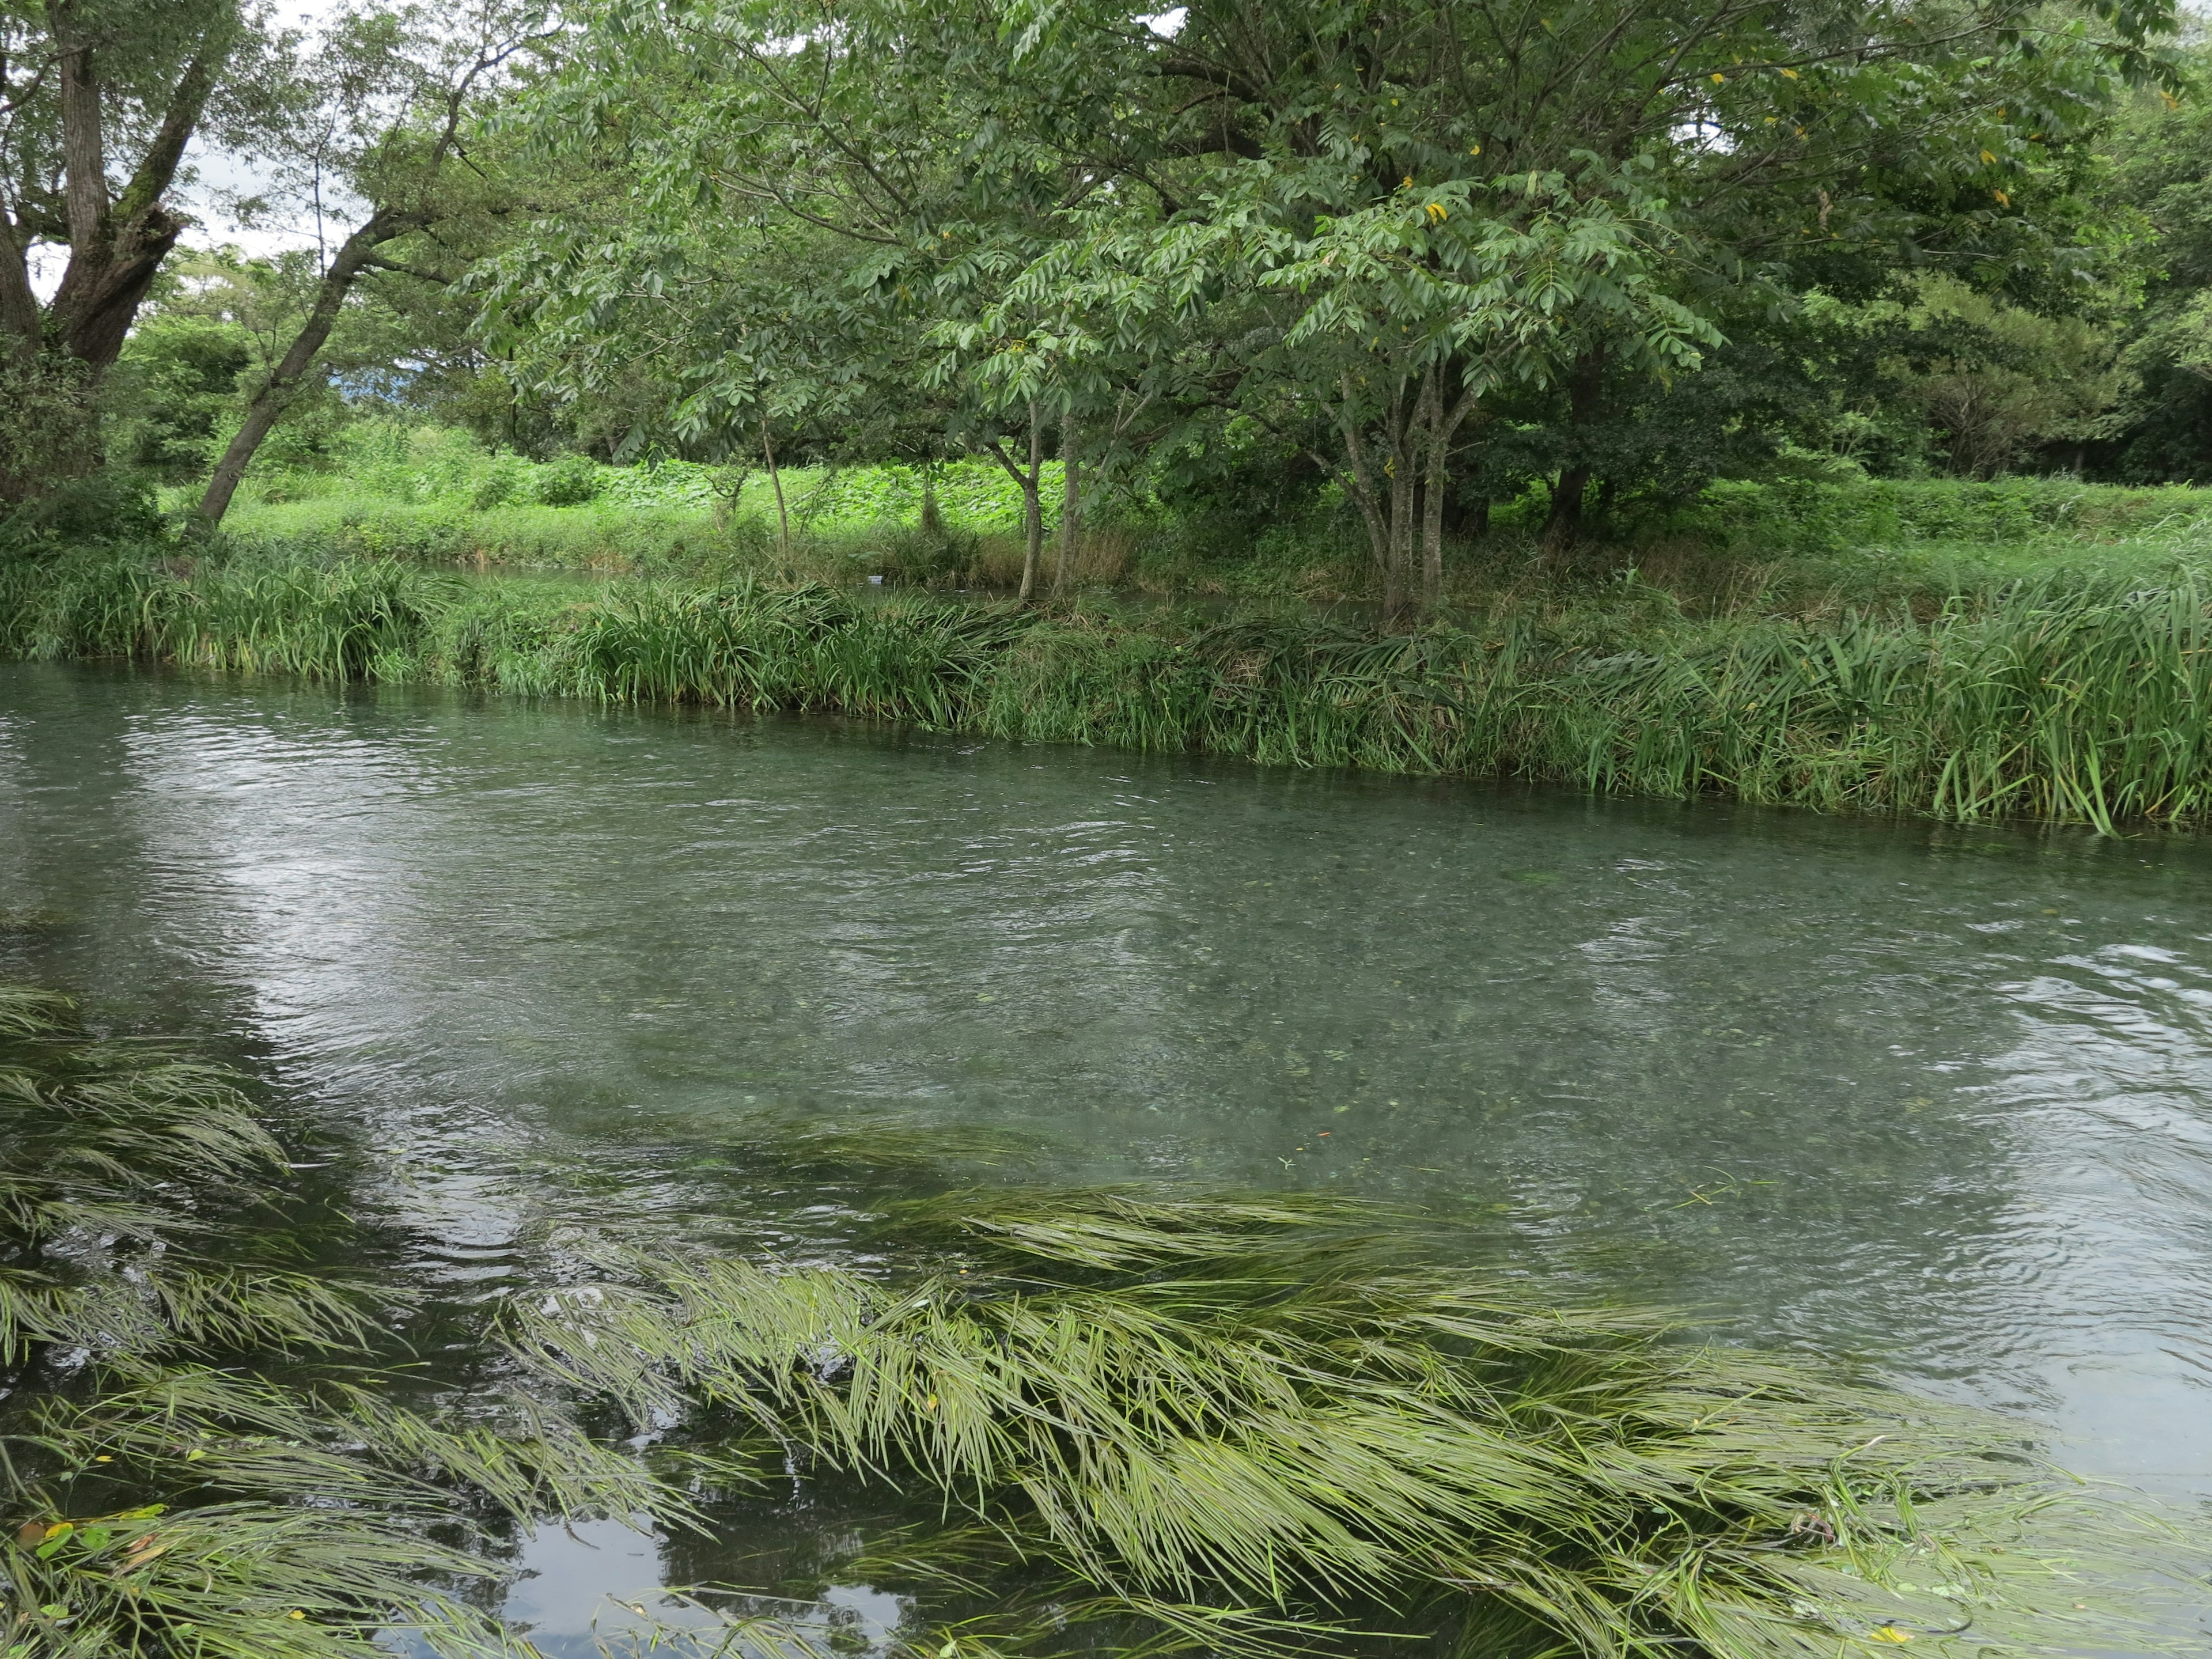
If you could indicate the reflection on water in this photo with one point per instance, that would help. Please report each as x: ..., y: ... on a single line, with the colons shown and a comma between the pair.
x: 1941, y: 1097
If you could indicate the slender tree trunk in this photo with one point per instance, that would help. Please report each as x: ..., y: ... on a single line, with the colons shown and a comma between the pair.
x: 1033, y: 506
x: 775, y: 479
x: 279, y: 392
x: 728, y: 501
x: 1436, y: 482
x: 1397, y: 576
x: 1030, y: 479
x: 1563, y: 524
x: 933, y: 521
x: 1363, y: 496
x: 1071, y: 503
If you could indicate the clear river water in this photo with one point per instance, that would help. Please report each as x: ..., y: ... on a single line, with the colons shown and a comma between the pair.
x: 1937, y: 1097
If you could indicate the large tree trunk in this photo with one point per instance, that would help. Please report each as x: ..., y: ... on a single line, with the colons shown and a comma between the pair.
x: 279, y: 392
x: 58, y: 354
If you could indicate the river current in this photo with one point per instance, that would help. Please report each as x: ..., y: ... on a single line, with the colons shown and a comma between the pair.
x: 1938, y: 1098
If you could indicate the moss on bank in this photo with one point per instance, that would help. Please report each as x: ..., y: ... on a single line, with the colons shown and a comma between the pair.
x: 2075, y: 699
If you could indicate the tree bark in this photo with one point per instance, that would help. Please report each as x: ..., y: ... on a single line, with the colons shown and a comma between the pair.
x: 1033, y: 506
x: 277, y: 392
x: 775, y: 481
x: 116, y: 250
x: 19, y: 301
x: 1071, y: 503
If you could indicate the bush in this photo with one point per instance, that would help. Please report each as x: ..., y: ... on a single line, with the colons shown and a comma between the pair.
x: 500, y: 482
x: 569, y: 482
x: 108, y: 508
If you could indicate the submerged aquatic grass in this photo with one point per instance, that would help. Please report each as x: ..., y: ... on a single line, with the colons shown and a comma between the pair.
x: 1264, y: 1426
x: 1144, y: 1421
x: 193, y: 1460
x: 2077, y: 698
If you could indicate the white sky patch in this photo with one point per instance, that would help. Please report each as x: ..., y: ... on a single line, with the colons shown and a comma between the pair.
x: 221, y: 178
x: 1168, y: 24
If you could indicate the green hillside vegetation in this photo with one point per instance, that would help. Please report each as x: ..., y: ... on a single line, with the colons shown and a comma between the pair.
x: 1825, y: 536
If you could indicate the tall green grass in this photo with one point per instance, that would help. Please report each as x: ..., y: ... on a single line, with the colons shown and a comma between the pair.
x: 2074, y: 699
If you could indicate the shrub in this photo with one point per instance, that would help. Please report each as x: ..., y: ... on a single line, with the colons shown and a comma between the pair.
x: 569, y: 482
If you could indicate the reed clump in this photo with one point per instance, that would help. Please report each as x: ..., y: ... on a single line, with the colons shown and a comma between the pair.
x: 2068, y: 698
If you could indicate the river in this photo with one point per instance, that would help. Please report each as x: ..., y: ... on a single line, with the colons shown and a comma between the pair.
x: 1936, y: 1097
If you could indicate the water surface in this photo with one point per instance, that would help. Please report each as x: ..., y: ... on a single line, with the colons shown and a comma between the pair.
x: 1941, y: 1097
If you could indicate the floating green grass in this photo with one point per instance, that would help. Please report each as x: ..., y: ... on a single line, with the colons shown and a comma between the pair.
x: 1136, y: 1420
x: 2079, y: 699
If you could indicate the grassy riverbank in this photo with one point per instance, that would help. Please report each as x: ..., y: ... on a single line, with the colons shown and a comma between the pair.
x: 2079, y: 698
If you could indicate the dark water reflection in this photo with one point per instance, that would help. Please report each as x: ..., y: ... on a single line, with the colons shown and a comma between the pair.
x: 1941, y: 1097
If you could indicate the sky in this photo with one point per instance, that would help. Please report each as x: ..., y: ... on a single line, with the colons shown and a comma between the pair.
x: 222, y: 175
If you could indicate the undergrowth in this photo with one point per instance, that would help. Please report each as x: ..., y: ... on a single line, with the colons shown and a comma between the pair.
x: 2073, y: 698
x: 1801, y: 541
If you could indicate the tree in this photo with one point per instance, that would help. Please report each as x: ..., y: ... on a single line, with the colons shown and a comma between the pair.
x: 1388, y: 221
x: 399, y: 89
x: 1376, y: 227
x: 99, y: 99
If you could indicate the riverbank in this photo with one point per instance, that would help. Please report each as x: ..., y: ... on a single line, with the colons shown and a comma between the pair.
x: 2074, y: 697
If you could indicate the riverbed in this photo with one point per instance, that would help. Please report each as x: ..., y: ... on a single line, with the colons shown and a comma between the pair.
x: 1937, y: 1097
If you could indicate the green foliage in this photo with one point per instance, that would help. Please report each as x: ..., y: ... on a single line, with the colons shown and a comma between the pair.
x: 569, y: 482
x: 177, y: 380
x: 113, y: 508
